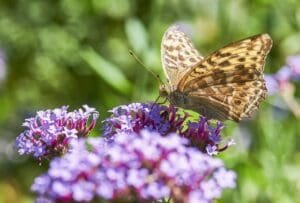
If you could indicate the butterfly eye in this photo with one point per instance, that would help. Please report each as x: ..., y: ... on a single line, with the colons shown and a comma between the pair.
x: 163, y: 91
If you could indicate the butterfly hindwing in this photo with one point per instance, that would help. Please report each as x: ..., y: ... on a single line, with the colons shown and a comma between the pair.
x: 237, y: 100
x: 178, y: 54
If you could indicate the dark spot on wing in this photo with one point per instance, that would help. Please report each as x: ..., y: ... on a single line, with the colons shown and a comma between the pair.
x: 256, y: 91
x: 240, y: 66
x: 210, y: 62
x: 237, y: 102
x: 193, y: 60
x: 220, y: 54
x: 243, y: 94
x: 224, y: 63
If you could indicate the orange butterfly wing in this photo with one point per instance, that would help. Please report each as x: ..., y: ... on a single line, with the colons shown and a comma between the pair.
x: 229, y: 83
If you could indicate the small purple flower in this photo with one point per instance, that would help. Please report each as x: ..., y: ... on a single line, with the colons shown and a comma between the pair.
x: 163, y: 119
x: 137, y: 116
x: 141, y: 167
x: 43, y: 200
x: 294, y: 63
x: 284, y: 74
x: 3, y: 66
x: 48, y: 133
x: 205, y: 136
x: 272, y: 84
x: 279, y: 81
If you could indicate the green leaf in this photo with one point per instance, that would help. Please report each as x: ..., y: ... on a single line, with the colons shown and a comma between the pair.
x: 107, y: 71
x: 137, y: 35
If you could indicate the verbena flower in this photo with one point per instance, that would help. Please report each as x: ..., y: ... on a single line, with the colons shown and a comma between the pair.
x: 3, y: 66
x: 48, y: 133
x: 164, y: 119
x: 284, y: 76
x: 143, y: 167
x: 272, y: 84
x: 294, y: 64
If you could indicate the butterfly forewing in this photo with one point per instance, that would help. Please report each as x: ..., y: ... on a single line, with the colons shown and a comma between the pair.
x: 237, y: 62
x: 230, y: 79
x: 178, y: 55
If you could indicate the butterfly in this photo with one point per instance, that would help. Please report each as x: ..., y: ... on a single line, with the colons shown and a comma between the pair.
x: 228, y: 84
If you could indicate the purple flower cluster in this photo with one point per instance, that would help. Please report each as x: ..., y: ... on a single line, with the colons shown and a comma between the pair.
x: 164, y: 119
x: 147, y: 154
x: 48, y: 133
x: 290, y: 72
x: 143, y: 167
x: 137, y: 116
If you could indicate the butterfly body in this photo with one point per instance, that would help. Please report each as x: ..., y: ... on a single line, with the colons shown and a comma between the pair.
x: 227, y: 84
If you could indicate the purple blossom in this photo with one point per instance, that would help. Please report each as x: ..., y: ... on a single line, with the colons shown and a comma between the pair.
x: 272, y: 84
x: 284, y: 74
x: 141, y: 167
x: 137, y: 116
x: 164, y: 119
x: 3, y: 67
x: 44, y: 200
x: 294, y: 63
x: 48, y: 133
x: 279, y: 81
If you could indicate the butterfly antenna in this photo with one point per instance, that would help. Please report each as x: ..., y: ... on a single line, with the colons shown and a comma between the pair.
x: 150, y: 71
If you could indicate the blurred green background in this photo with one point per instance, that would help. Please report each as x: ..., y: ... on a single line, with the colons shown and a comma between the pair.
x: 55, y: 53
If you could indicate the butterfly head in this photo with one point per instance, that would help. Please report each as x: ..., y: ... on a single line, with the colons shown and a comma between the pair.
x: 164, y: 90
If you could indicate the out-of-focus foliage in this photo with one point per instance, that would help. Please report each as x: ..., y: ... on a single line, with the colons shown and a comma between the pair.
x: 55, y: 53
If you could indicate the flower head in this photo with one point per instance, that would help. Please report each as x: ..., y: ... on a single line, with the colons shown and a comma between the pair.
x: 48, y: 133
x: 3, y: 66
x: 281, y: 80
x: 137, y: 116
x: 294, y: 63
x: 164, y: 119
x: 134, y: 168
x: 272, y: 84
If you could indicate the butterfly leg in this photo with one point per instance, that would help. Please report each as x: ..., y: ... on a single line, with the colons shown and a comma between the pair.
x: 156, y: 102
x: 164, y: 101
